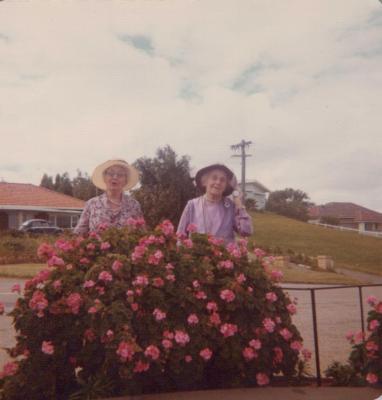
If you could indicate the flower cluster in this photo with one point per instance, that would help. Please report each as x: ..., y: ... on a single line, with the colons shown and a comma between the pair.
x: 128, y: 311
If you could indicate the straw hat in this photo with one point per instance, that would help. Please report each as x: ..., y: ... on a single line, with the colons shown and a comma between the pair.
x: 131, y: 172
x: 231, y: 178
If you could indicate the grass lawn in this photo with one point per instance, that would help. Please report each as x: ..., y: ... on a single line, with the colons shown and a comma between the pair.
x: 348, y: 249
x: 20, y: 270
x: 297, y: 275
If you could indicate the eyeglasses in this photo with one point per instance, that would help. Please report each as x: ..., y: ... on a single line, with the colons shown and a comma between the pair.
x: 115, y: 174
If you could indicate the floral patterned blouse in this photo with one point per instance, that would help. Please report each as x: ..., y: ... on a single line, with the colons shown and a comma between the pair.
x: 97, y: 212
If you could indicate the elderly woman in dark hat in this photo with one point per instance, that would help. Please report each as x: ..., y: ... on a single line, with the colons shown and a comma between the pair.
x: 113, y: 207
x: 214, y: 212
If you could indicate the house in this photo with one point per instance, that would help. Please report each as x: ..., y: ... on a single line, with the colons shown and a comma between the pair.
x: 20, y: 202
x: 348, y: 215
x: 256, y: 191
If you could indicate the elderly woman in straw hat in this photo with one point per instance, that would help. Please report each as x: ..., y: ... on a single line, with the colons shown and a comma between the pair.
x: 214, y: 212
x: 113, y: 207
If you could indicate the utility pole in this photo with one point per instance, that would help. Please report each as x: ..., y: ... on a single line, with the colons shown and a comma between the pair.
x: 242, y: 146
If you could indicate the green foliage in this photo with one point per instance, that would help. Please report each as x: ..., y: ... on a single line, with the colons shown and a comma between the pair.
x: 365, y: 360
x: 18, y: 247
x: 80, y: 186
x: 129, y: 311
x: 250, y: 204
x: 166, y: 186
x: 290, y: 203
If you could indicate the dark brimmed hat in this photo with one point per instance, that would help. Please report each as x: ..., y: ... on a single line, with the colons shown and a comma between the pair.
x: 231, y: 179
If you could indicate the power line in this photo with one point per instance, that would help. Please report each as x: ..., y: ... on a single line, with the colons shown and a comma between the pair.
x: 242, y: 146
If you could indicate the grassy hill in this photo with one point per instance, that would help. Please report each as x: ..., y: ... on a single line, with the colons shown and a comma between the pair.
x: 348, y: 249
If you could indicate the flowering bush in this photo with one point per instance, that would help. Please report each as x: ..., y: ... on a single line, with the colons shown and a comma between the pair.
x: 128, y: 311
x: 365, y: 360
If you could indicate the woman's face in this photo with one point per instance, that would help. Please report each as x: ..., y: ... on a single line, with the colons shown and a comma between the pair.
x: 115, y: 178
x: 215, y: 183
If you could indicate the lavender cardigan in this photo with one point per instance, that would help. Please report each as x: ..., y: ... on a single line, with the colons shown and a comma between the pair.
x: 233, y: 220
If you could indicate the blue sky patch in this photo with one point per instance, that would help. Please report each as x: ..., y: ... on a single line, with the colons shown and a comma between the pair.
x: 140, y: 42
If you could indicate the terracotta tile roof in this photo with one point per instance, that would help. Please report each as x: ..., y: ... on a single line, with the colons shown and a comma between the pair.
x: 25, y: 194
x: 345, y: 210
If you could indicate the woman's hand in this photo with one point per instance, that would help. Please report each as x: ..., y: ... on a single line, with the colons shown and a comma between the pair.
x: 238, y: 198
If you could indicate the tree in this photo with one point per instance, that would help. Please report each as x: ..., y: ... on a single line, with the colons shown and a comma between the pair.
x: 83, y: 187
x: 166, y: 185
x: 47, y: 182
x: 290, y: 203
x: 63, y: 184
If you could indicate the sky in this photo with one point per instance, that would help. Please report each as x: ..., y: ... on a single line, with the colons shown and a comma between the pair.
x: 82, y: 82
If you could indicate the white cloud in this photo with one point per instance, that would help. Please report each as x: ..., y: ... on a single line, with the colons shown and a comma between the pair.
x: 82, y: 82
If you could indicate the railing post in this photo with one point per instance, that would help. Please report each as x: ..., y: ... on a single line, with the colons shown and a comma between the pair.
x: 317, y: 353
x: 361, y: 307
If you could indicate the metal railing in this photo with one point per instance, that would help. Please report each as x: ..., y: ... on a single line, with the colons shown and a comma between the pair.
x: 314, y: 315
x: 377, y: 234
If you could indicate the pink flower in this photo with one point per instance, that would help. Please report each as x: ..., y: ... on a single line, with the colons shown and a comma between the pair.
x: 166, y: 343
x: 89, y: 335
x: 286, y: 334
x: 188, y: 358
x: 228, y: 329
x: 158, y: 282
x: 45, y: 251
x: 16, y: 288
x: 292, y: 309
x: 372, y: 378
x: 170, y: 277
x: 191, y: 228
x: 249, y: 353
x: 259, y: 252
x: 200, y: 295
x: 116, y: 266
x: 269, y: 325
x: 374, y: 324
x: 92, y: 310
x: 84, y: 261
x: 241, y: 278
x: 167, y: 227
x: 138, y: 252
x: 255, y: 343
x: 38, y: 302
x: 154, y: 259
x: 141, y: 366
x: 196, y: 284
x: 152, y: 351
x: 271, y: 297
x: 90, y: 246
x: 372, y: 300
x: 279, y: 355
x: 74, y: 302
x: 105, y: 276
x: 125, y: 351
x: 159, y: 315
x: 212, y: 306
x: 350, y: 336
x: 105, y: 246
x: 276, y: 275
x: 227, y: 264
x: 169, y: 267
x: 262, y: 379
x: 227, y: 295
x: 359, y: 337
x: 296, y: 345
x: 192, y: 319
x: 378, y: 307
x: 134, y: 306
x: 57, y: 284
x: 206, y: 354
x: 188, y: 243
x: 181, y: 337
x: 234, y: 250
x: 88, y: 284
x: 141, y: 280
x: 215, y: 318
x: 9, y: 369
x: 47, y: 347
x: 168, y: 335
x: 371, y: 346
x: 55, y: 261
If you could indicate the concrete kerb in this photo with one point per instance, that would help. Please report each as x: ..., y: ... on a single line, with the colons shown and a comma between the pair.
x: 270, y: 393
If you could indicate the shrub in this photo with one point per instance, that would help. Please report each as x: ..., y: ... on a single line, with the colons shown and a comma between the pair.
x: 365, y: 360
x: 130, y: 311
